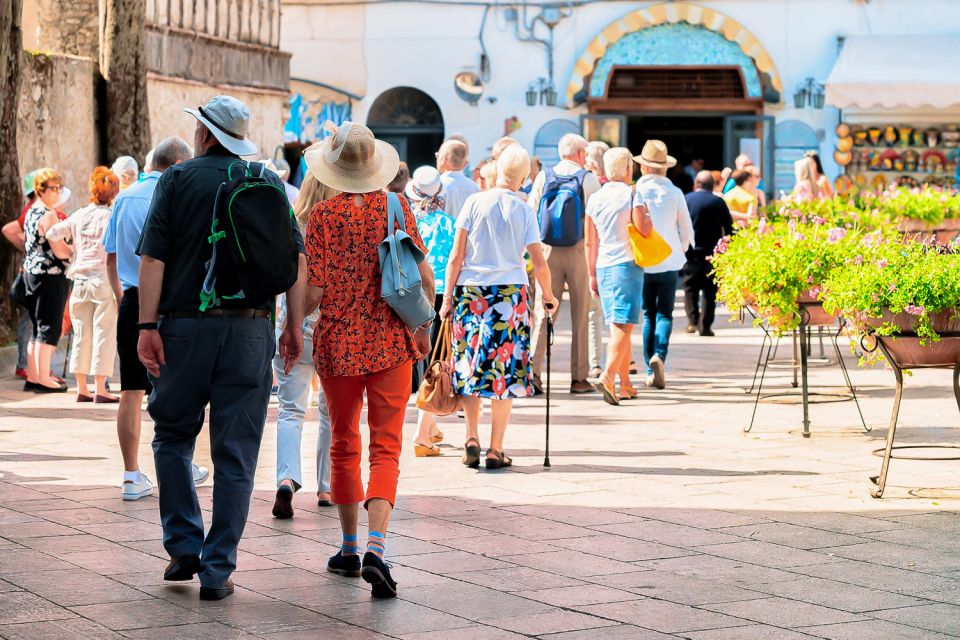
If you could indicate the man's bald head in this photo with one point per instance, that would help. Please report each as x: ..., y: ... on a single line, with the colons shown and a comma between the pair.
x: 703, y: 181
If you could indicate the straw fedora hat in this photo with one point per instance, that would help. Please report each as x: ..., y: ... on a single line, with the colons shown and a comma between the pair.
x: 352, y: 160
x: 654, y: 155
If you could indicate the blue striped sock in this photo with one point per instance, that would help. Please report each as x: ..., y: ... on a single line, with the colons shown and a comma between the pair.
x: 376, y: 544
x: 349, y: 546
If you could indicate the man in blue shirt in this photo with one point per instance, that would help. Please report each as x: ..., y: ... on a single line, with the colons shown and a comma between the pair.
x: 123, y: 267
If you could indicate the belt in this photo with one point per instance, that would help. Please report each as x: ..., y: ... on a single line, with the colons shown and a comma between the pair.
x: 220, y: 313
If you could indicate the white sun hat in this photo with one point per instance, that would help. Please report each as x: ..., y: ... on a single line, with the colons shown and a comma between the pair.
x: 228, y: 120
x: 425, y: 181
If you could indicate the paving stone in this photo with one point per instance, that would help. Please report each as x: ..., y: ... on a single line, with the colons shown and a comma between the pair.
x: 442, y: 563
x: 34, y: 529
x: 472, y: 633
x: 17, y: 560
x: 70, y: 629
x: 621, y: 548
x: 119, y: 560
x: 553, y: 622
x: 748, y: 633
x: 871, y: 629
x: 474, y: 602
x: 572, y: 563
x: 683, y: 589
x: 521, y: 578
x: 942, y: 618
x: 666, y: 617
x: 76, y: 517
x: 498, y: 545
x: 263, y: 580
x: 339, y: 632
x: 701, y: 519
x: 121, y: 616
x: 780, y: 612
x: 767, y: 555
x: 725, y: 569
x: 578, y: 595
x: 198, y: 631
x: 259, y: 618
x: 75, y: 587
x: 619, y: 632
x: 838, y: 595
x: 395, y: 617
x: 20, y: 606
x: 128, y: 530
x: 676, y: 535
x: 60, y: 545
x: 791, y: 535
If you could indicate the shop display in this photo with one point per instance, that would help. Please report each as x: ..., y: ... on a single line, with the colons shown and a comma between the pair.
x: 878, y: 155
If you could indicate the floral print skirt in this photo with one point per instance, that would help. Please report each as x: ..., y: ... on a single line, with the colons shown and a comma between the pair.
x: 491, y: 342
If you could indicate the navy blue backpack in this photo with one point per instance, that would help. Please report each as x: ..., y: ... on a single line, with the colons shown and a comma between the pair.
x: 561, y: 209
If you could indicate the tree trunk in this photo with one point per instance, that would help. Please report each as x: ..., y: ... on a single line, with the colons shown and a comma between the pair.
x: 123, y: 65
x: 11, y: 198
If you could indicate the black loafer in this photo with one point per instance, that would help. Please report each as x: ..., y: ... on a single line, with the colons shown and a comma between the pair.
x: 182, y: 568
x: 39, y: 388
x: 377, y: 572
x: 348, y: 566
x: 283, y: 503
x: 217, y: 593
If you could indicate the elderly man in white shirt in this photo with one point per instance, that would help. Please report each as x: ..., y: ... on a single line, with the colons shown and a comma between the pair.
x: 568, y: 265
x: 451, y: 160
x: 668, y: 209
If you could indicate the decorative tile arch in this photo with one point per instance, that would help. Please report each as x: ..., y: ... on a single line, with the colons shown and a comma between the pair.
x: 672, y: 13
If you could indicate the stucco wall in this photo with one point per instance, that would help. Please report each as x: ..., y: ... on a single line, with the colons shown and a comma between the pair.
x: 268, y: 111
x: 55, y: 119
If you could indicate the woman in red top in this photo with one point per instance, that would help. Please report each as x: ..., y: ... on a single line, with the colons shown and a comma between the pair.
x: 359, y: 344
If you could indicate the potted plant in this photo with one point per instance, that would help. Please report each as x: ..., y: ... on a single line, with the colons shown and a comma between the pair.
x: 923, y: 212
x: 776, y: 268
x: 907, y: 294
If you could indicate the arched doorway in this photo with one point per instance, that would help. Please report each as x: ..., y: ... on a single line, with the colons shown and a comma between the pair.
x: 411, y: 121
x: 685, y: 74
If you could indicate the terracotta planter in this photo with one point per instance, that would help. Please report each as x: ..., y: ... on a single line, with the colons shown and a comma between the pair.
x: 943, y: 232
x: 906, y: 350
x: 814, y: 312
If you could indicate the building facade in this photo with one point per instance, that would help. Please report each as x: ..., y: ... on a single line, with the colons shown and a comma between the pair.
x: 712, y: 78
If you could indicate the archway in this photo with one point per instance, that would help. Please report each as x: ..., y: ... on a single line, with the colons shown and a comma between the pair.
x: 411, y: 121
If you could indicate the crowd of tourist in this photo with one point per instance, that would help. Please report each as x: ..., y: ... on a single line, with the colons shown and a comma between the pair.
x: 503, y: 244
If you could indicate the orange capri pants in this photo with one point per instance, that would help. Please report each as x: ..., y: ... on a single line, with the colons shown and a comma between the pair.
x: 387, y: 394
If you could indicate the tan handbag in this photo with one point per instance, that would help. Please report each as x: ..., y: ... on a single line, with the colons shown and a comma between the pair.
x: 436, y: 394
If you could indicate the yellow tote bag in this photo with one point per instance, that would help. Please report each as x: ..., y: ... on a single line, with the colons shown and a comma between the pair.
x: 648, y: 252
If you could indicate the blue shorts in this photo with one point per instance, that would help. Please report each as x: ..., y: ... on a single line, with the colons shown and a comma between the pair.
x: 621, y: 292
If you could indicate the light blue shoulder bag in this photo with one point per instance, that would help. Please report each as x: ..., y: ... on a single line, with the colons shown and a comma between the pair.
x: 399, y: 256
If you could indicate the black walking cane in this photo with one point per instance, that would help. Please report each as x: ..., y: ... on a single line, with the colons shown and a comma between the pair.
x: 546, y: 451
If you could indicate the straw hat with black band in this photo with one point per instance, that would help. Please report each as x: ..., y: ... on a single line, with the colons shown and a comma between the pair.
x: 654, y: 155
x: 352, y: 160
x: 228, y: 120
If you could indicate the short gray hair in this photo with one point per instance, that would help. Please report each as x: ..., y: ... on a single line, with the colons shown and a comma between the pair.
x: 513, y: 164
x: 595, y: 151
x: 455, y: 152
x: 123, y: 164
x: 571, y: 144
x: 169, y: 152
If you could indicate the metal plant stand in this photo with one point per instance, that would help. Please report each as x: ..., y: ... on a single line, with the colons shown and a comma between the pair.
x: 803, y: 339
x: 899, y: 366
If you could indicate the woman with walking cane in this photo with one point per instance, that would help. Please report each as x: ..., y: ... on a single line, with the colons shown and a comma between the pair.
x: 486, y: 297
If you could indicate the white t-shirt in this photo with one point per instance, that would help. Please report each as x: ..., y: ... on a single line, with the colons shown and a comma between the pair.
x: 499, y: 226
x: 610, y: 210
x: 670, y: 217
x: 456, y: 189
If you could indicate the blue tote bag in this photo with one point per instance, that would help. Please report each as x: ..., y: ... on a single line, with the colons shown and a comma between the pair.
x: 400, y: 285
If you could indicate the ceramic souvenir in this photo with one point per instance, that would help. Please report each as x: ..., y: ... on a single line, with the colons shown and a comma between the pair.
x: 906, y: 136
x: 879, y: 183
x: 907, y: 181
x: 859, y: 137
x: 911, y: 160
x: 890, y: 135
x: 888, y: 160
x: 844, y: 143
x: 874, y: 134
x: 950, y: 137
x: 932, y: 160
x: 842, y: 158
x: 932, y: 137
x: 843, y: 130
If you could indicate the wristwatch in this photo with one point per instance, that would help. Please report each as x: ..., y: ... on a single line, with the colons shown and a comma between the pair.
x: 146, y: 326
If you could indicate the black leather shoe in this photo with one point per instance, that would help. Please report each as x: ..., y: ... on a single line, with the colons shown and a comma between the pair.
x: 377, y: 573
x: 283, y: 503
x: 182, y: 568
x: 217, y: 593
x: 348, y: 566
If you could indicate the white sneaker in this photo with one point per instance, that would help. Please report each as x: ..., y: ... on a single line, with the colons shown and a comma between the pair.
x: 137, y: 490
x: 659, y: 378
x: 200, y: 475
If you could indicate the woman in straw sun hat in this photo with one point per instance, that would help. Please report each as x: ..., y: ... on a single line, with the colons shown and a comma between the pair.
x: 667, y: 209
x: 360, y: 345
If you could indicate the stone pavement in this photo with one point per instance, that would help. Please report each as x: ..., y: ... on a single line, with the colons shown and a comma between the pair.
x: 659, y: 519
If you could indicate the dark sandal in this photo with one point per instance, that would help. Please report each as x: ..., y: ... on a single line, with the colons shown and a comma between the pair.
x: 471, y: 456
x: 498, y: 462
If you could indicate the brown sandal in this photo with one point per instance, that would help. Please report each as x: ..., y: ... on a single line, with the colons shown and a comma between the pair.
x: 422, y: 451
x: 499, y: 461
x: 471, y: 456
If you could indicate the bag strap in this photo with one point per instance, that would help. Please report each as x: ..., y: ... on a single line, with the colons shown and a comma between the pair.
x: 393, y: 204
x: 441, y: 350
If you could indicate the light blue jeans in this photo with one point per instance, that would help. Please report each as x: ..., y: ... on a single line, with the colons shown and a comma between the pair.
x: 294, y: 397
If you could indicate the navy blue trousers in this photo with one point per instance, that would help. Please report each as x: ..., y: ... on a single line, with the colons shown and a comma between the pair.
x: 224, y: 363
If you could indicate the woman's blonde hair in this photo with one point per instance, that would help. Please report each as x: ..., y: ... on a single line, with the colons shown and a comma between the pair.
x: 312, y: 191
x: 618, y: 164
x: 513, y: 165
x: 43, y: 178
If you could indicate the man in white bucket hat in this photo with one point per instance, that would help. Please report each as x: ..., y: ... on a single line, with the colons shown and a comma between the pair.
x: 219, y: 356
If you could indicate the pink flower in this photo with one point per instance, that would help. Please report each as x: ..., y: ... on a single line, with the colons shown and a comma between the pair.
x: 818, y: 220
x: 882, y: 264
x: 799, y: 236
x: 892, y: 287
x: 876, y: 297
x: 914, y: 310
x: 836, y: 234
x: 858, y: 260
x: 762, y: 227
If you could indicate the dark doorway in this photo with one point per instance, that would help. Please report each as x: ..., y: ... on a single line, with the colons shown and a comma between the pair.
x: 687, y: 137
x: 411, y: 121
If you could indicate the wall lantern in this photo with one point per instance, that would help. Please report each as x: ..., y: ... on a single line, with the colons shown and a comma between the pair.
x: 541, y: 91
x: 810, y: 92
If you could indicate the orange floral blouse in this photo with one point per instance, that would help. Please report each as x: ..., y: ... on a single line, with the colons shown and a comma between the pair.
x: 357, y: 332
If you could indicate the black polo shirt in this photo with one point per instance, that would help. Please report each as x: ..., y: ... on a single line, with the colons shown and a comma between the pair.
x: 711, y: 219
x: 178, y: 224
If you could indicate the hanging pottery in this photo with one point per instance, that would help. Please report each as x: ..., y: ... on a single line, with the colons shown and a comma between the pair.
x: 843, y: 130
x: 845, y: 143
